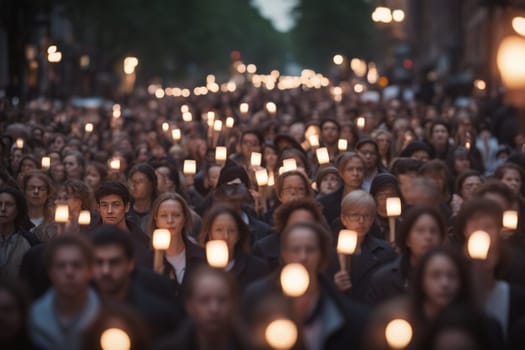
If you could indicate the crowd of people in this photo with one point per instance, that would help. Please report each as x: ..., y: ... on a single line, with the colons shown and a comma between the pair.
x: 301, y: 165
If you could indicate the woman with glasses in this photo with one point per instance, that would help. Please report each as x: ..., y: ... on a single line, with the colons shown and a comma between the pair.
x: 357, y: 214
x: 421, y: 230
x: 38, y: 191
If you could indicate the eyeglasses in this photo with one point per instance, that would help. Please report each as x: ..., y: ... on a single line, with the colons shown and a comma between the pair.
x: 294, y: 190
x: 357, y: 217
x: 37, y: 188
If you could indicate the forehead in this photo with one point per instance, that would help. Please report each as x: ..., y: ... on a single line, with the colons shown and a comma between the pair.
x: 68, y: 252
x: 107, y: 250
x: 112, y: 198
x: 7, y: 197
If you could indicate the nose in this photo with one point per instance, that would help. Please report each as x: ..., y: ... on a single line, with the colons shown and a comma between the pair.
x: 105, y: 269
x: 110, y: 208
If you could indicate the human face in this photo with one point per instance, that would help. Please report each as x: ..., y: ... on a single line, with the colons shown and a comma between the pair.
x: 512, y: 178
x: 57, y: 144
x: 441, y: 281
x: 461, y: 164
x: 270, y: 157
x: 57, y: 171
x: 36, y: 192
x: 329, y: 133
x: 164, y: 183
x: 69, y: 272
x: 384, y: 192
x: 140, y: 186
x: 353, y: 173
x: 293, y: 188
x: 249, y: 143
x: 470, y: 186
x: 26, y: 166
x: 211, y: 304
x: 73, y: 169
x: 439, y: 135
x: 369, y: 153
x: 302, y: 246
x: 358, y: 219
x: 383, y: 143
x: 74, y: 204
x: 329, y: 184
x: 92, y: 177
x: 112, y: 269
x: 8, y: 211
x: 113, y: 211
x: 488, y: 224
x: 170, y: 216
x: 213, y: 176
x: 421, y: 155
x: 300, y: 216
x: 225, y: 228
x: 405, y: 182
x: 423, y: 236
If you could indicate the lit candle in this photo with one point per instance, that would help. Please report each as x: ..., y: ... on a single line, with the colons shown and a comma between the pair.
x: 314, y: 140
x: 478, y: 245
x: 217, y: 125
x: 88, y: 127
x: 271, y: 178
x: 271, y: 107
x: 217, y: 253
x: 361, y: 122
x: 398, y: 333
x: 176, y: 134
x: 262, y: 177
x: 393, y: 209
x: 115, y: 339
x: 256, y: 159
x: 19, y: 142
x: 114, y: 164
x: 294, y: 279
x: 187, y: 117
x: 62, y: 214
x: 84, y: 218
x: 322, y: 155
x: 510, y: 219
x: 244, y: 108
x: 346, y: 245
x: 165, y: 126
x: 190, y: 167
x: 289, y: 164
x: 281, y: 334
x: 221, y: 153
x: 342, y: 145
x: 184, y: 109
x: 230, y: 122
x: 46, y: 162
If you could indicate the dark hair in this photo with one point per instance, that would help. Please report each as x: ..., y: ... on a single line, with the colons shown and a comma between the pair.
x: 113, y: 187
x: 149, y: 172
x: 77, y: 189
x: 322, y: 235
x: 185, y: 211
x: 500, y: 172
x: 17, y: 291
x: 472, y: 208
x: 496, y: 186
x: 105, y: 235
x: 244, y: 232
x: 31, y: 159
x: 402, y: 166
x: 410, y: 218
x: 68, y: 240
x: 345, y: 157
x: 252, y: 132
x: 100, y: 168
x: 22, y: 213
x: 437, y: 166
x: 329, y: 120
x: 280, y: 182
x: 463, y: 177
x: 202, y: 270
x: 79, y: 157
x: 465, y: 292
x: 48, y: 205
x: 284, y: 211
x: 294, y: 153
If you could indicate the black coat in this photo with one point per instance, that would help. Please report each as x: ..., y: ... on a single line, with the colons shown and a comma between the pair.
x: 389, y: 281
x: 258, y: 229
x: 269, y: 249
x: 33, y: 271
x: 374, y: 254
x: 248, y: 268
x: 331, y: 204
x: 352, y: 317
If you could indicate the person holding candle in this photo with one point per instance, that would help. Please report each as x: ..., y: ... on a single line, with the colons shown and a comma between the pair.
x: 369, y: 150
x: 142, y: 182
x: 330, y: 132
x: 170, y: 211
x: 421, y: 230
x: 325, y: 319
x: 39, y: 191
x: 250, y: 141
x: 351, y: 168
x: 383, y: 139
x: 224, y: 223
x: 501, y: 300
x: 357, y: 214
x: 327, y: 181
x: 15, y: 239
x: 383, y: 186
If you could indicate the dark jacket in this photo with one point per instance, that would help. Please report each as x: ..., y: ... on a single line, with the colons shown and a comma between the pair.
x: 374, y: 254
x: 331, y: 204
x: 194, y: 257
x: 269, y: 249
x: 343, y: 322
x: 248, y: 268
x: 258, y: 229
x: 33, y: 271
x: 389, y: 281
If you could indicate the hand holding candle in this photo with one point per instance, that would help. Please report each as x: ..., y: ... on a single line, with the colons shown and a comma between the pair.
x: 161, y: 241
x: 346, y: 245
x: 190, y: 167
x: 393, y: 210
x: 322, y: 155
x: 256, y: 159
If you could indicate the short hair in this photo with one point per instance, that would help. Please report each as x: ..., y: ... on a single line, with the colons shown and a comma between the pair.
x: 402, y: 166
x: 345, y: 157
x: 410, y: 218
x: 100, y: 168
x: 280, y: 182
x: 358, y: 198
x: 78, y: 156
x: 68, y: 240
x: 496, y: 186
x: 149, y: 172
x: 463, y: 177
x: 244, y: 232
x: 105, y: 235
x: 113, y: 188
x: 252, y: 132
x: 284, y: 211
x: 77, y: 189
x: 473, y: 208
x: 188, y: 222
x: 329, y: 120
x: 322, y: 235
x: 204, y: 270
